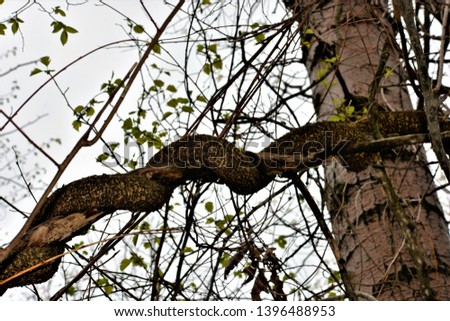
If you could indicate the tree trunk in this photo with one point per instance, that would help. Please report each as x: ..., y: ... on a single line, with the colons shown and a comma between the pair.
x: 391, y: 230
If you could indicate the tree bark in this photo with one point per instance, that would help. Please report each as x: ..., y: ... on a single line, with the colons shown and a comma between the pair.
x: 389, y: 224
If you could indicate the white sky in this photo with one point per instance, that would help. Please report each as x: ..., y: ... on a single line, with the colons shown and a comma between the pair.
x: 97, y: 25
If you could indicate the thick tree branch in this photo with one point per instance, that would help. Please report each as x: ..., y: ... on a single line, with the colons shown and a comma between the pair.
x: 71, y: 210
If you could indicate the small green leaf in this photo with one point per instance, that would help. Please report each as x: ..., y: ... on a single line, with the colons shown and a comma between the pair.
x: 102, y: 157
x: 70, y: 29
x: 200, y: 48
x: 210, y: 220
x: 90, y: 111
x: 331, y: 60
x: 167, y: 114
x: 213, y: 48
x: 172, y: 103
x: 45, y: 60
x: 76, y: 124
x: 202, y: 99
x: 127, y: 124
x: 254, y: 25
x: 2, y: 28
x: 228, y: 218
x: 336, y: 118
x: 207, y: 69
x: 187, y: 249
x: 260, y: 37
x: 209, y: 206
x: 138, y: 29
x: 206, y: 2
x: 157, y: 49
x: 57, y: 10
x: 172, y: 88
x: 187, y: 109
x: 15, y: 27
x: 281, y: 241
x: 218, y: 63
x: 387, y: 72
x: 57, y: 26
x: 182, y: 100
x: 158, y: 82
x: 64, y: 36
x: 124, y: 264
x: 132, y: 164
x: 35, y: 71
x: 79, y: 109
x: 71, y: 290
x: 135, y: 239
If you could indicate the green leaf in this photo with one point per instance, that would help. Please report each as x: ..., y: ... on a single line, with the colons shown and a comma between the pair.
x: 138, y: 261
x: 102, y: 157
x: 57, y: 26
x: 210, y: 220
x: 260, y: 37
x: 209, y: 206
x: 138, y: 29
x: 57, y: 10
x: 206, y: 2
x: 70, y: 29
x: 187, y: 249
x: 387, y: 72
x: 35, y: 71
x: 200, y: 48
x: 45, y: 61
x: 182, y: 100
x: 167, y: 114
x: 172, y: 88
x: 187, y: 109
x: 331, y: 60
x: 213, y: 48
x: 132, y: 164
x: 254, y: 25
x: 229, y: 217
x: 281, y: 241
x: 145, y: 226
x: 336, y: 118
x: 79, y: 109
x: 127, y: 124
x: 217, y: 63
x: 135, y: 239
x: 76, y: 124
x: 90, y: 111
x: 207, y: 69
x: 172, y: 103
x: 124, y: 264
x: 64, y: 36
x: 2, y: 28
x: 1, y: 2
x: 202, y: 99
x: 158, y: 82
x: 70, y: 291
x: 15, y: 27
x: 157, y: 49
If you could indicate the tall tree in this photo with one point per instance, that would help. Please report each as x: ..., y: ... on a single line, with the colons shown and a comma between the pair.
x: 387, y: 218
x: 216, y: 216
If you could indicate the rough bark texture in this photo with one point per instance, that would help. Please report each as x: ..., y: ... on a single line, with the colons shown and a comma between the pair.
x: 71, y: 210
x: 372, y: 240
